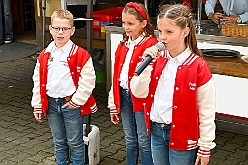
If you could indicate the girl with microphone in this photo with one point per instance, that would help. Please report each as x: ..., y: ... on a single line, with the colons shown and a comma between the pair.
x: 180, y: 93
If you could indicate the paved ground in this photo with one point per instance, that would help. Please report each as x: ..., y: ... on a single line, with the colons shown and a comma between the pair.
x: 26, y: 142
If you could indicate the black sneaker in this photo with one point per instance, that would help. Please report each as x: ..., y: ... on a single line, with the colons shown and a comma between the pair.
x: 7, y: 40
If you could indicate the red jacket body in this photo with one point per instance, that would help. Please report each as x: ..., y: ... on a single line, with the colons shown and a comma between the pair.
x: 193, y: 73
x: 120, y: 56
x: 75, y: 62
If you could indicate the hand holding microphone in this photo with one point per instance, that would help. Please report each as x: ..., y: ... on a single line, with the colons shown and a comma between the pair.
x: 159, y: 47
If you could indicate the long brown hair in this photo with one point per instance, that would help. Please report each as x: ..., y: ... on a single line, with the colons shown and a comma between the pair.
x: 148, y: 29
x: 181, y: 14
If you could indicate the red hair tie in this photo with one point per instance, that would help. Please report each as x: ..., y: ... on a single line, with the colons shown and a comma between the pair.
x: 138, y: 8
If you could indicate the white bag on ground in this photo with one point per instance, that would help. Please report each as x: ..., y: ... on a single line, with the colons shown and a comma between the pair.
x: 93, y: 142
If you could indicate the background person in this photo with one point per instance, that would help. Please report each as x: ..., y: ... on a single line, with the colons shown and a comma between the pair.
x: 138, y: 35
x: 180, y: 92
x: 6, y: 24
x: 64, y: 79
x: 235, y: 11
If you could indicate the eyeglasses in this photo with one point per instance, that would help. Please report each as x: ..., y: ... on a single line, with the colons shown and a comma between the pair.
x: 64, y: 29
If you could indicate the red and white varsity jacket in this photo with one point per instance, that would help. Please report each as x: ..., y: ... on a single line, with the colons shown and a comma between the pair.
x: 120, y: 56
x: 193, y: 107
x: 77, y: 60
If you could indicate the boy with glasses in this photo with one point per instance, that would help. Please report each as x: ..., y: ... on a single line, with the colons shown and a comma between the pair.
x: 64, y: 79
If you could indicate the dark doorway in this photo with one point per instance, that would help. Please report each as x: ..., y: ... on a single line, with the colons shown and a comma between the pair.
x: 23, y: 16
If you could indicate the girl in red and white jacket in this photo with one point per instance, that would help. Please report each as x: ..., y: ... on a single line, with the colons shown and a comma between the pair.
x: 180, y: 93
x: 138, y: 35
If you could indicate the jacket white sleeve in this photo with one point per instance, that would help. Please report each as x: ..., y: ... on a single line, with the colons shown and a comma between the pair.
x: 111, y: 104
x: 140, y: 84
x: 36, y: 99
x: 206, y: 104
x: 86, y: 84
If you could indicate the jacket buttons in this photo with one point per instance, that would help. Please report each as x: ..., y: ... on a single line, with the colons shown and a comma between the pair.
x: 172, y: 144
x: 175, y: 107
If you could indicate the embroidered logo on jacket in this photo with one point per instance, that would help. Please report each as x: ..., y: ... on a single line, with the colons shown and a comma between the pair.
x: 64, y: 63
x: 192, y: 86
x: 78, y: 69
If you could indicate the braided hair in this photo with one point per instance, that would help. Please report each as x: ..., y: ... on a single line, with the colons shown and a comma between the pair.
x: 181, y: 14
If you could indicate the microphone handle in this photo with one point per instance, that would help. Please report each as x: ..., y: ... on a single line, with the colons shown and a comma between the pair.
x: 143, y: 65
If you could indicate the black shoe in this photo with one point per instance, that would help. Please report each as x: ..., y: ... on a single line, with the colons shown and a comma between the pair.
x: 1, y: 42
x: 7, y: 40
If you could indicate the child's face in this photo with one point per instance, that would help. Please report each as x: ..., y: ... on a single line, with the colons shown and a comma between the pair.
x: 132, y: 27
x: 61, y: 31
x: 172, y: 35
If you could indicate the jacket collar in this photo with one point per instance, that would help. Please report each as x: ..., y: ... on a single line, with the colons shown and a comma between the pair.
x: 135, y: 42
x: 51, y: 47
x: 181, y: 57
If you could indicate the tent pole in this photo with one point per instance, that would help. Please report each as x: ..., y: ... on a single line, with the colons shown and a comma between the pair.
x: 44, y: 24
x: 89, y: 49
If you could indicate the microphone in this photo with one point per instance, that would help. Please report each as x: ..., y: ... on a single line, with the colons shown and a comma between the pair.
x: 148, y: 60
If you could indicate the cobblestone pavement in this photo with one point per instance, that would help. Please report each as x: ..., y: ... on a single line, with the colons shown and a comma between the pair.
x: 26, y: 142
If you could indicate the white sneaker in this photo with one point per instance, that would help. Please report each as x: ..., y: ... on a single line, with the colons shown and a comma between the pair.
x: 7, y: 40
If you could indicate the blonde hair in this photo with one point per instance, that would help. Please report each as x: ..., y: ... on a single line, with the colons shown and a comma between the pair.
x: 148, y: 29
x: 63, y: 14
x: 182, y: 17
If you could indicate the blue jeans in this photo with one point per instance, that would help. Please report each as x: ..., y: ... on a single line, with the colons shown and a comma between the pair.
x: 6, y: 24
x: 67, y: 130
x: 135, y: 132
x: 162, y: 155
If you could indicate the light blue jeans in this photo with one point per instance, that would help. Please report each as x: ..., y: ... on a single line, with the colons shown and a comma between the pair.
x: 135, y: 132
x: 162, y: 155
x: 67, y: 130
x: 6, y: 24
